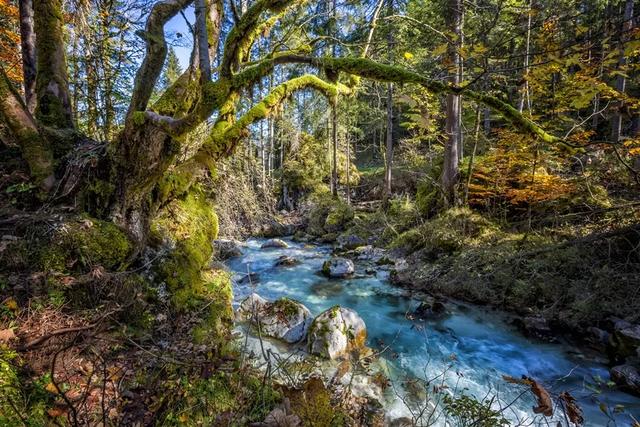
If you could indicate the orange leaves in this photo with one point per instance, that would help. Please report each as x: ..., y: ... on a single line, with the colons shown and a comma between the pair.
x: 574, y: 412
x: 10, y: 41
x: 545, y: 404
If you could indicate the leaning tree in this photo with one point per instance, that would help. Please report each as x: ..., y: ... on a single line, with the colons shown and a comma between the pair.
x: 145, y: 167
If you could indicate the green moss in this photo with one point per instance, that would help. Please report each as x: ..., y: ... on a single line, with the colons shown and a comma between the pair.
x: 85, y: 242
x: 22, y: 401
x: 190, y: 224
x: 286, y: 306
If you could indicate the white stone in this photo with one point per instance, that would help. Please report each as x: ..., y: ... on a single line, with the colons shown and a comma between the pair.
x: 336, y: 332
x: 338, y: 267
x: 275, y: 243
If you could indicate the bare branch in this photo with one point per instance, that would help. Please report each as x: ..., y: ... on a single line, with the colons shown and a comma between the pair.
x: 156, y: 52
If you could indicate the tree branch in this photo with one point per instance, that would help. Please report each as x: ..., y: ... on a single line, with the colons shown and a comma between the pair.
x: 244, y: 33
x: 156, y: 51
x: 222, y: 141
x: 22, y: 126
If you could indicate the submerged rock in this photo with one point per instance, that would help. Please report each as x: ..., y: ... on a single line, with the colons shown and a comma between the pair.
x: 338, y: 267
x: 275, y: 243
x: 286, y: 261
x: 250, y: 278
x: 225, y: 249
x: 336, y: 332
x: 284, y: 318
x: 627, y: 377
x: 327, y: 289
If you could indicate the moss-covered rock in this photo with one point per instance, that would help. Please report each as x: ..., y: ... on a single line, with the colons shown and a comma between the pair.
x: 329, y: 216
x: 284, y: 318
x: 84, y: 242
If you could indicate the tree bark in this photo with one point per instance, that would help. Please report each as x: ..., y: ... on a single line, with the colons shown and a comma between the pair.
x: 28, y: 46
x: 52, y: 84
x: 388, y: 158
x: 450, y: 171
x: 621, y: 81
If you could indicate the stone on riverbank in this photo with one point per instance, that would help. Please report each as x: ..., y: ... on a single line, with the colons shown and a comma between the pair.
x: 225, y: 249
x: 336, y: 332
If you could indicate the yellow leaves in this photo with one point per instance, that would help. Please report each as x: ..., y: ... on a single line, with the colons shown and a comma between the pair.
x: 633, y: 146
x: 11, y: 304
x: 51, y: 388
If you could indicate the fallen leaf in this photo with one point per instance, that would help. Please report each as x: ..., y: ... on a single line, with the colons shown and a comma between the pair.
x: 574, y: 412
x: 51, y: 388
x: 7, y: 335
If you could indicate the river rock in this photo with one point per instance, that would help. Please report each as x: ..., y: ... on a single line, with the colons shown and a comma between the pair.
x: 336, y: 332
x: 284, y: 318
x: 286, y: 261
x: 626, y: 341
x: 338, y: 267
x: 226, y: 249
x: 627, y: 377
x: 535, y: 327
x: 430, y: 309
x: 275, y: 228
x: 275, y: 243
x: 350, y: 241
x: 369, y: 253
x: 250, y: 278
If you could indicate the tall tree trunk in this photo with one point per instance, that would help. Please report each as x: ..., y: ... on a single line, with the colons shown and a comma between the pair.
x: 334, y: 109
x: 621, y: 81
x: 388, y: 158
x: 524, y: 93
x: 28, y: 45
x: 52, y: 84
x: 334, y: 148
x: 450, y: 171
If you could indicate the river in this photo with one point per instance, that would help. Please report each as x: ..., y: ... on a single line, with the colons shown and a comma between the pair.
x: 471, y: 347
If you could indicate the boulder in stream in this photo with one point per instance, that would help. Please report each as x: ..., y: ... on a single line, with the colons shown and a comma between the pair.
x: 286, y: 261
x: 284, y: 318
x: 274, y: 244
x: 627, y: 377
x: 431, y: 308
x: 336, y: 332
x: 338, y: 267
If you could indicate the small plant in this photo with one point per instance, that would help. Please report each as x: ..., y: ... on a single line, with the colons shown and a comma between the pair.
x: 468, y: 411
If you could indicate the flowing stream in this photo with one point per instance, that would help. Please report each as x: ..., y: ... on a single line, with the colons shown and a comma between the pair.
x: 473, y: 347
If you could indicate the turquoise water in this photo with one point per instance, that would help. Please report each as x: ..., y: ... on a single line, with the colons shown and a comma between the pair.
x: 469, y: 349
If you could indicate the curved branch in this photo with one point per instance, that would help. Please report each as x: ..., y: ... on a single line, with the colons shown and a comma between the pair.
x: 244, y: 33
x: 156, y: 51
x: 221, y: 142
x: 369, y: 69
